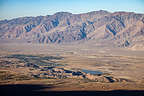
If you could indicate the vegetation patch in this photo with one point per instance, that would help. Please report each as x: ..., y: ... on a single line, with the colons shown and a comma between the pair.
x: 38, y: 60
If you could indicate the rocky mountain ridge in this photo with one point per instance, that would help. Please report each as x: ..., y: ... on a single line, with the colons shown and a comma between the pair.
x: 122, y: 29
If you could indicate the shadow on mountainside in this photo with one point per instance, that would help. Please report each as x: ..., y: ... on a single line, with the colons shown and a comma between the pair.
x: 36, y: 90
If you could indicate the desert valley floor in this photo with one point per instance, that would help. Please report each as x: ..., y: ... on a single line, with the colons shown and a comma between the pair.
x: 68, y: 68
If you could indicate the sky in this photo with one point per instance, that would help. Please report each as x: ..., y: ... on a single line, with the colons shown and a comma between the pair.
x: 19, y: 8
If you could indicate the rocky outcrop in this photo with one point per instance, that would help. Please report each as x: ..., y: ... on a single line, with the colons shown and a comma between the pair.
x: 61, y: 73
x: 64, y: 27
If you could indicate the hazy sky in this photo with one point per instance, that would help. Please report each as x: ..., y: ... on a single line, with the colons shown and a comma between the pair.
x: 19, y: 8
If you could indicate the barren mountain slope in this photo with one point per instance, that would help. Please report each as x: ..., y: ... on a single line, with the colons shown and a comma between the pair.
x: 122, y: 29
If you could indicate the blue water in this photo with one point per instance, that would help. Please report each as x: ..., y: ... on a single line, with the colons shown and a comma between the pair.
x: 92, y: 72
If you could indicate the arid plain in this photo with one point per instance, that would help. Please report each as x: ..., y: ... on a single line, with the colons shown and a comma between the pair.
x: 72, y: 68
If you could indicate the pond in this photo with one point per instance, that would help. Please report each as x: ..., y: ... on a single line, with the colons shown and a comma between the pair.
x: 92, y: 72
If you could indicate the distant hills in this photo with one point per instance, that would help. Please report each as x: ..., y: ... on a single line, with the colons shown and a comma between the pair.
x: 122, y: 29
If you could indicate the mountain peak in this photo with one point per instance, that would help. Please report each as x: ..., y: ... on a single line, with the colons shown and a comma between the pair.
x: 63, y: 13
x: 99, y: 12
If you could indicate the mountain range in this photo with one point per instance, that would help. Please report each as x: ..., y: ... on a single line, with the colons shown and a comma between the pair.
x: 122, y: 29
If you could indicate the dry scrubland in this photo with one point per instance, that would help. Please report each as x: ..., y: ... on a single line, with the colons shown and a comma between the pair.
x: 72, y: 68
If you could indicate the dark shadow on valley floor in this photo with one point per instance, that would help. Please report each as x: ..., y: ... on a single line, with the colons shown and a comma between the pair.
x: 36, y: 90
